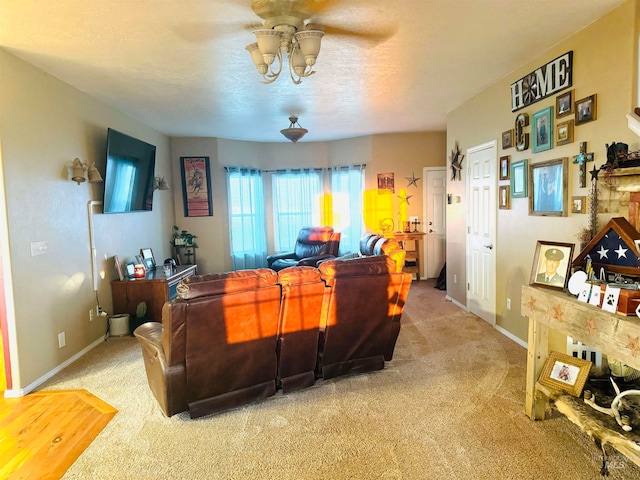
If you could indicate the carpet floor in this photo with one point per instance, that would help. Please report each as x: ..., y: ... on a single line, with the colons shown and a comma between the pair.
x: 450, y: 405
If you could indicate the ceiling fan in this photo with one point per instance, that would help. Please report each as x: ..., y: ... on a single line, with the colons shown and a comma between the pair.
x: 289, y: 26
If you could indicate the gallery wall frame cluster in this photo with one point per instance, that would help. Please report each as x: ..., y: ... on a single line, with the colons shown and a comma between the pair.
x: 548, y: 127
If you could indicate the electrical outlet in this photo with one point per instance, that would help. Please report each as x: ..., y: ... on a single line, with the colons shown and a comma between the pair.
x: 62, y: 341
x: 92, y: 312
x: 508, y: 304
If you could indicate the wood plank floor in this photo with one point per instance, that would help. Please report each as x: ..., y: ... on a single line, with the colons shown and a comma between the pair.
x: 43, y: 433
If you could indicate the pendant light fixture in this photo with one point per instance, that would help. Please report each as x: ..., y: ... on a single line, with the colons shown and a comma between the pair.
x: 294, y: 133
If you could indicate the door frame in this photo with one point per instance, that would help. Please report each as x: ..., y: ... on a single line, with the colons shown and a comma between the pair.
x: 423, y: 254
x: 494, y: 145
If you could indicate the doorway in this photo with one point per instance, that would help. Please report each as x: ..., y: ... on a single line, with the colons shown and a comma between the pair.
x: 481, y: 231
x: 434, y: 194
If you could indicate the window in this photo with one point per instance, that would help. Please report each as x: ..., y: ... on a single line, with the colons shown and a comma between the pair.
x: 347, y: 187
x: 296, y: 203
x: 247, y: 227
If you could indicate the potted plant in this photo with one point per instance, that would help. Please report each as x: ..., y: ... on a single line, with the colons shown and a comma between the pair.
x: 182, y: 237
x: 140, y: 318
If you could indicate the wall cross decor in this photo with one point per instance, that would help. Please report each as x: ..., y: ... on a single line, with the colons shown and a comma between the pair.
x: 581, y: 159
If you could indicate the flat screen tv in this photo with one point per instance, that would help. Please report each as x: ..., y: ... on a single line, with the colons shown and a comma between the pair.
x: 130, y: 172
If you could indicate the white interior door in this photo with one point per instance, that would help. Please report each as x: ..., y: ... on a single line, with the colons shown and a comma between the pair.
x: 481, y: 220
x: 434, y: 185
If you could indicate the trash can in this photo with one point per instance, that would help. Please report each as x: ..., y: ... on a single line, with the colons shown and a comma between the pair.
x: 119, y: 325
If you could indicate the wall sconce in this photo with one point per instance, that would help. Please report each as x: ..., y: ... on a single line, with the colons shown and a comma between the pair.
x: 78, y: 169
x: 160, y: 183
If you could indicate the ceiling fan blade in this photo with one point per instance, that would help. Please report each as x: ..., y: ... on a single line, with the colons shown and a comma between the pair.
x: 202, y: 32
x: 370, y: 36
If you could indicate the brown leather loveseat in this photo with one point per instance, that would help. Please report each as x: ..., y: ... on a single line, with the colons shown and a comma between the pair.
x: 233, y: 338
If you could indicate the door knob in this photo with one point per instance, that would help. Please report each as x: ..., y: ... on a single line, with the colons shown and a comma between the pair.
x: 430, y: 231
x: 430, y: 223
x: 490, y: 246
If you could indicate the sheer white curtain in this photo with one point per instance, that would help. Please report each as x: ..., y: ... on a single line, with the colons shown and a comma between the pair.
x: 247, y: 226
x: 297, y: 197
x: 347, y: 190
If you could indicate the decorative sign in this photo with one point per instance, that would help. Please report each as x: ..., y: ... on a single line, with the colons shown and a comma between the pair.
x: 522, y: 139
x: 551, y: 78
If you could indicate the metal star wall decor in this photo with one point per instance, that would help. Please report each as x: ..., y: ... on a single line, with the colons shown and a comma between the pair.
x: 412, y: 180
x: 404, y: 198
x: 456, y: 162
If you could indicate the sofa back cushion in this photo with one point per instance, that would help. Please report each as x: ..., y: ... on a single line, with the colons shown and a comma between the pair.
x: 375, y: 265
x: 216, y: 284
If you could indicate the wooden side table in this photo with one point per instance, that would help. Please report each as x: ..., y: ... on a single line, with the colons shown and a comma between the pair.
x: 412, y: 255
x: 155, y: 289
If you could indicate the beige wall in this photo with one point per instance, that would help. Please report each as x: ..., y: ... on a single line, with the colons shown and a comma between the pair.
x: 604, y: 64
x: 44, y: 124
x: 403, y: 154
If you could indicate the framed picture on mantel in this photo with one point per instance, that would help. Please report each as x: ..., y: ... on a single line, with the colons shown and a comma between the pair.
x: 196, y: 186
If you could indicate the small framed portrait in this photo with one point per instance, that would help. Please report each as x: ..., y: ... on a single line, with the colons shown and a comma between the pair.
x: 118, y: 267
x: 503, y: 200
x: 386, y: 183
x: 130, y: 269
x: 586, y: 109
x: 548, y: 188
x: 504, y: 167
x: 518, y: 176
x: 507, y: 139
x: 564, y: 104
x: 542, y: 130
x: 578, y: 204
x: 139, y: 260
x: 565, y: 373
x: 147, y: 254
x: 148, y: 264
x: 551, y: 264
x: 564, y: 133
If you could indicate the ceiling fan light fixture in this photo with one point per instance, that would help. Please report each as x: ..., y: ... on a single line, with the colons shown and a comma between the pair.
x: 268, y: 43
x: 256, y: 57
x: 309, y: 41
x: 294, y: 133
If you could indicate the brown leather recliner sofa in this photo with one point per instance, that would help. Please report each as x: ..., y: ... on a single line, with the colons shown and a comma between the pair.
x: 233, y: 338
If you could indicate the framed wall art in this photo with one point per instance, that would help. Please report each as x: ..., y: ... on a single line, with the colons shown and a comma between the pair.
x: 548, y: 188
x: 586, y: 109
x: 565, y: 373
x: 551, y: 264
x: 386, y: 183
x: 507, y: 139
x: 542, y: 130
x: 503, y: 199
x: 196, y: 186
x: 504, y: 167
x: 564, y: 133
x: 578, y: 204
x: 518, y: 173
x: 564, y: 104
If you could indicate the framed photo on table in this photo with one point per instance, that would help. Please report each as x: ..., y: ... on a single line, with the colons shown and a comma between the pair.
x: 551, y: 264
x: 548, y: 188
x: 130, y: 269
x: 147, y: 254
x: 565, y: 373
x: 196, y: 186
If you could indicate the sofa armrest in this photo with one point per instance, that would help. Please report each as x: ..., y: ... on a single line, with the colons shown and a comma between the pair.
x: 150, y: 336
x: 279, y: 256
x: 313, y: 261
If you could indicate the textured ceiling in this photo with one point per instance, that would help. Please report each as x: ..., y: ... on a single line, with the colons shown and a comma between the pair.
x: 180, y: 66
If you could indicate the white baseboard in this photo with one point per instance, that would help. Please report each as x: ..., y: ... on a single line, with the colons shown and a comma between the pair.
x: 33, y: 385
x: 511, y: 336
x: 455, y: 302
